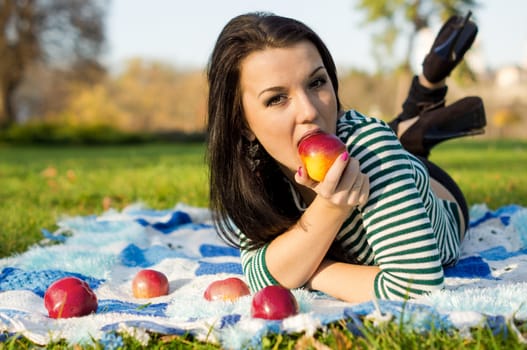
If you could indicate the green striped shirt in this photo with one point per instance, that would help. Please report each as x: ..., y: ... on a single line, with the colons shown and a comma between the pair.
x: 403, y: 228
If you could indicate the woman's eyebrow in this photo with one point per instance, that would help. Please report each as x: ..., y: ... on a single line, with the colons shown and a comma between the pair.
x: 280, y: 88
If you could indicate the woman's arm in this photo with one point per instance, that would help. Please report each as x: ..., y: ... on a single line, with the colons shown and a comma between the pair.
x: 291, y: 258
x: 295, y: 255
x: 396, y: 223
x: 348, y: 282
x: 394, y: 220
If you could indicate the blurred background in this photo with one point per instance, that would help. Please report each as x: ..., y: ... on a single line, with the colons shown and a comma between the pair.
x: 103, y: 71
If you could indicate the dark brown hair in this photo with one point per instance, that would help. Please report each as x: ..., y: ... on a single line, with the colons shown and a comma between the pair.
x: 257, y: 201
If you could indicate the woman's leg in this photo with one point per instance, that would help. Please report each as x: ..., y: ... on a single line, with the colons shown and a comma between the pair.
x: 424, y: 120
x: 421, y: 95
x: 452, y: 42
x: 446, y: 188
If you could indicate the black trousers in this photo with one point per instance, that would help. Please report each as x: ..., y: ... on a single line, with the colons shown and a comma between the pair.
x: 418, y: 97
x: 444, y: 179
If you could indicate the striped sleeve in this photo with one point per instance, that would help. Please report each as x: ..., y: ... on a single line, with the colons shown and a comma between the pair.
x: 403, y: 228
x: 396, y: 225
x: 255, y: 268
x: 444, y: 216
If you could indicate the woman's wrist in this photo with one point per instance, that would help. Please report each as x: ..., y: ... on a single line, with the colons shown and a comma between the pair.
x: 429, y: 85
x: 326, y: 210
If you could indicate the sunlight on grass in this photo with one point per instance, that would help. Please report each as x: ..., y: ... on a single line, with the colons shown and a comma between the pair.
x: 490, y: 172
x: 39, y: 184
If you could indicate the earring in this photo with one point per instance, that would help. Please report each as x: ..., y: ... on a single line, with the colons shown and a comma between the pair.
x: 252, y: 151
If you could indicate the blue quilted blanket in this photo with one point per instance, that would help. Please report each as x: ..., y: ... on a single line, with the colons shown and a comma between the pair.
x: 487, y: 287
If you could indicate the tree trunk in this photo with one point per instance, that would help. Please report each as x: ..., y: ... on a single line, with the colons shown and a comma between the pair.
x: 7, y: 109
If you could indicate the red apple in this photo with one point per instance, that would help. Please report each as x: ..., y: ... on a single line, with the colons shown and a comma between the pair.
x: 69, y: 297
x: 318, y: 151
x: 149, y: 284
x: 274, y: 303
x: 228, y: 289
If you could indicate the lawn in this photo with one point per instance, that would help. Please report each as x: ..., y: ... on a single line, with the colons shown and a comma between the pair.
x: 39, y: 184
x: 490, y: 172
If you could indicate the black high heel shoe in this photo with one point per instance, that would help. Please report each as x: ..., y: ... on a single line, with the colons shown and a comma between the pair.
x: 453, y: 40
x: 436, y: 123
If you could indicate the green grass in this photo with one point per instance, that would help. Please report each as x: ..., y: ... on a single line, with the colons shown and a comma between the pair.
x: 335, y: 336
x: 490, y: 172
x: 32, y: 197
x: 39, y: 184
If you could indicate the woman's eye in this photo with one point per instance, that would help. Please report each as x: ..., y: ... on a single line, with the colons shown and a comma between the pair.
x: 276, y: 100
x: 318, y: 82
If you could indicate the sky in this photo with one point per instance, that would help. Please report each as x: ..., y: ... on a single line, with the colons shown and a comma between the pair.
x: 183, y: 33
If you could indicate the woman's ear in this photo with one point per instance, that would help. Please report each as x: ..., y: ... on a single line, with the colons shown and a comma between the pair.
x: 248, y: 134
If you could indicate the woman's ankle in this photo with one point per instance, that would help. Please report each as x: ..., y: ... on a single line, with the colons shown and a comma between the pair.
x: 420, y: 96
x: 429, y: 85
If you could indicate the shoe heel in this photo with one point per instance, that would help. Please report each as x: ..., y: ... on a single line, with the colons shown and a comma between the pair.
x: 453, y: 41
x: 430, y: 141
x: 458, y: 41
x: 465, y: 117
x: 469, y: 123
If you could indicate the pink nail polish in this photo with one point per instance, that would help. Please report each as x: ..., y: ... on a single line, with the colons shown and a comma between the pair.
x: 344, y: 156
x: 299, y: 171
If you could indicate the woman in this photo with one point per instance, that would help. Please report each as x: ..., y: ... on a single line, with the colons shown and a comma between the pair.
x: 379, y: 224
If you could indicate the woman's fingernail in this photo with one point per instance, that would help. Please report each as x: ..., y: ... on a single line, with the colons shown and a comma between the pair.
x: 344, y: 156
x: 299, y: 171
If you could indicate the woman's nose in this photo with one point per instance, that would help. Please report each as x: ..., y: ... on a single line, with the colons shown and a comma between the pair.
x: 307, y: 111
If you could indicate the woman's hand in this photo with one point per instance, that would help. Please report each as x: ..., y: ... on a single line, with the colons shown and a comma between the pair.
x: 295, y: 255
x: 344, y: 185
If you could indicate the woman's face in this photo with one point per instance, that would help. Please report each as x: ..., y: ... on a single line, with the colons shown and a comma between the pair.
x: 286, y: 93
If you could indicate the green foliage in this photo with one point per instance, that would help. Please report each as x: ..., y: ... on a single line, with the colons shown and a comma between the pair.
x: 70, y: 33
x: 144, y: 97
x: 64, y: 134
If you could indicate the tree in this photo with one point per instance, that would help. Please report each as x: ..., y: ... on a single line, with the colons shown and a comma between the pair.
x: 64, y: 33
x: 396, y: 15
x: 145, y: 96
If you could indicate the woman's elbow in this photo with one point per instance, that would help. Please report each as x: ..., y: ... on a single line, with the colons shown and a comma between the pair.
x: 427, y: 286
x: 408, y: 286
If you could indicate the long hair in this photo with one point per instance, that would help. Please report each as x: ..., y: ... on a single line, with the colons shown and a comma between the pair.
x: 256, y: 201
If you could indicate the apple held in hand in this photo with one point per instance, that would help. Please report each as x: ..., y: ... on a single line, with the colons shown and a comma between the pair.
x: 149, y: 284
x: 274, y: 303
x: 318, y: 151
x: 70, y: 297
x: 228, y: 289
